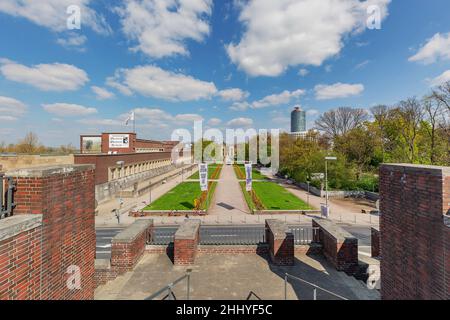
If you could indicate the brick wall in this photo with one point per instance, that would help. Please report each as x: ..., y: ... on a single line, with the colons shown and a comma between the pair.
x: 64, y: 196
x: 414, y: 237
x: 127, y: 248
x: 338, y: 246
x: 186, y: 242
x: 281, y: 243
x: 375, y: 242
x: 20, y: 257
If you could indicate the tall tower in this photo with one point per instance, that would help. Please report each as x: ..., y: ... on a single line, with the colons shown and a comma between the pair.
x: 298, y: 120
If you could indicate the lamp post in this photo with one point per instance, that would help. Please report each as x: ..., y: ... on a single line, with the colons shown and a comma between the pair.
x: 307, y: 195
x: 326, y: 177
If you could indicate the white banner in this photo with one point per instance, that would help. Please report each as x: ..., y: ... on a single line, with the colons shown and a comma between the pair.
x: 248, y: 176
x: 203, y: 176
x: 119, y: 140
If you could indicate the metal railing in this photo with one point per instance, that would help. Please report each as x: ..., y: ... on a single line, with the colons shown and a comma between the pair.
x: 253, y: 296
x: 233, y: 235
x: 162, y: 236
x: 304, y: 235
x: 314, y: 287
x: 240, y: 235
x: 168, y: 290
x: 6, y: 197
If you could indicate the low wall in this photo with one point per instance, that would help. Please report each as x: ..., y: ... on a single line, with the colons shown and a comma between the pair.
x: 127, y: 248
x: 266, y: 212
x: 110, y: 190
x: 19, y: 161
x: 20, y: 250
x: 340, y: 248
x: 373, y: 196
x: 375, y: 242
x: 186, y: 242
x: 166, y: 213
x: 281, y: 243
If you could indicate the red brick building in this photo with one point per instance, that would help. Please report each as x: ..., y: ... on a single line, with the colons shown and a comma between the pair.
x: 121, y: 155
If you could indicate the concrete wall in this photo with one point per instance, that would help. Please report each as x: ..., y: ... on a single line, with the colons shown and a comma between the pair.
x: 31, y: 161
x: 415, y: 254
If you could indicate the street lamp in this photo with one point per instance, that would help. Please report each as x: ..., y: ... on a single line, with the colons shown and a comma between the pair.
x: 307, y: 195
x: 326, y: 176
x: 121, y: 164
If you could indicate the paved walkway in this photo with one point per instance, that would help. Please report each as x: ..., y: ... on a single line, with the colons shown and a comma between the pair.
x: 230, y: 207
x: 233, y: 277
x: 229, y: 199
x: 105, y: 216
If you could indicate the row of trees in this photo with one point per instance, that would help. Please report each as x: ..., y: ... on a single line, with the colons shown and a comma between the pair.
x: 30, y: 145
x: 412, y: 131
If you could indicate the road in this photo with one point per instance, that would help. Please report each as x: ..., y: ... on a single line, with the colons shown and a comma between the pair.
x: 230, y: 235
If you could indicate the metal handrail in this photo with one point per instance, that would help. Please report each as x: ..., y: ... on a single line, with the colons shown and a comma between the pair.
x: 6, y: 199
x: 286, y: 276
x: 170, y: 286
x: 252, y: 294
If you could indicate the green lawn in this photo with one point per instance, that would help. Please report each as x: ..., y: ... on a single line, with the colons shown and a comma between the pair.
x: 181, y: 197
x: 256, y: 175
x: 247, y: 196
x: 211, y: 169
x: 275, y: 197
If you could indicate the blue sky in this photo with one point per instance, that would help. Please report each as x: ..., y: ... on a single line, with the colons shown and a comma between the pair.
x: 231, y: 63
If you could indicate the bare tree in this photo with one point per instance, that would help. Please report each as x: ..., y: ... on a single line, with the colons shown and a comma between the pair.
x: 340, y: 121
x: 29, y: 144
x: 381, y: 115
x: 434, y: 110
x: 442, y: 94
x: 411, y: 114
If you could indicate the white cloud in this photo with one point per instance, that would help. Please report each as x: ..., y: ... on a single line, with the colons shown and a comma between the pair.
x: 102, y: 93
x: 337, y: 90
x: 73, y: 42
x: 101, y: 122
x: 161, y: 27
x: 284, y: 33
x: 362, y: 64
x: 234, y: 94
x: 187, y: 118
x: 240, y: 106
x: 8, y: 118
x: 437, y: 48
x: 312, y: 112
x: 52, y: 14
x: 240, y: 123
x: 214, y: 121
x: 47, y: 77
x: 12, y: 107
x: 68, y: 110
x: 151, y: 81
x: 444, y: 77
x: 278, y: 99
x: 303, y: 72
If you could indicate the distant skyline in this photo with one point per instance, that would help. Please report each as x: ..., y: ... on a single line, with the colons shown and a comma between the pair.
x: 231, y: 63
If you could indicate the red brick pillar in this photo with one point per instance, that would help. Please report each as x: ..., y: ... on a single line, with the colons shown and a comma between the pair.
x: 339, y: 247
x: 186, y: 242
x: 375, y: 242
x: 281, y: 243
x: 65, y: 197
x: 415, y: 232
x: 128, y: 246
